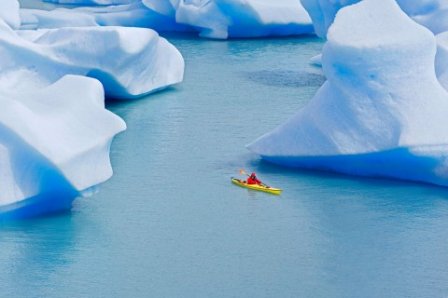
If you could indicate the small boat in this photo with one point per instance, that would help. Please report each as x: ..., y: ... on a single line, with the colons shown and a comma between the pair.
x: 265, y: 188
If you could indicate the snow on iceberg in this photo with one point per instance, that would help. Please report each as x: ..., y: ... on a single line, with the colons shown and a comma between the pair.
x: 130, y: 62
x: 382, y: 111
x: 54, y: 144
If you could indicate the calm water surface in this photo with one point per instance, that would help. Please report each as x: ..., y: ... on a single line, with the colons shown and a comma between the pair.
x: 170, y: 224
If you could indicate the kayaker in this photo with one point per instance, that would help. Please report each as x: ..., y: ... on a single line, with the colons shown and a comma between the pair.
x: 253, y: 179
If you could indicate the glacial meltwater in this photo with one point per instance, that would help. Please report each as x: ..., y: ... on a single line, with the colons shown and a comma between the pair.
x: 170, y: 224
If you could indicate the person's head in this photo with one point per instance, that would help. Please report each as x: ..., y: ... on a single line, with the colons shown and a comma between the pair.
x: 252, y: 175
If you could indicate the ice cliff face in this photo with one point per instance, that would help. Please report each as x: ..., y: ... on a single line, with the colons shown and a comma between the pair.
x: 240, y: 18
x: 382, y: 111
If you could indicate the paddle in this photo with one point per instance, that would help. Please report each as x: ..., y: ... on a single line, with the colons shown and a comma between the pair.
x: 243, y: 172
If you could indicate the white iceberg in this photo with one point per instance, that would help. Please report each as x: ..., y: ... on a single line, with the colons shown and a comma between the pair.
x: 382, y: 111
x: 56, y: 132
x: 130, y: 62
x: 54, y: 145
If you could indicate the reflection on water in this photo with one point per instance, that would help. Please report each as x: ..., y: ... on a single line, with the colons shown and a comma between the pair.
x: 33, y: 252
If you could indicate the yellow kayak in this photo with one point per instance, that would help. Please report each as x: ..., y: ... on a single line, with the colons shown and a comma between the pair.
x: 272, y: 190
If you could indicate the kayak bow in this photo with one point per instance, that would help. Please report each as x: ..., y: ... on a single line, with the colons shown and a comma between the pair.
x: 241, y: 183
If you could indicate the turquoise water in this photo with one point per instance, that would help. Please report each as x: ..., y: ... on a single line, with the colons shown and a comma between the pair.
x: 170, y: 224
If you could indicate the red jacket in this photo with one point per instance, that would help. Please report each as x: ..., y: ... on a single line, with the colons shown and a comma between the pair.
x: 253, y: 180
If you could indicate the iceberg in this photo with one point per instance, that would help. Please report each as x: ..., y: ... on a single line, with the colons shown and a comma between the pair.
x: 55, y: 131
x: 130, y: 62
x: 432, y: 14
x: 381, y: 112
x: 221, y: 19
x: 54, y: 145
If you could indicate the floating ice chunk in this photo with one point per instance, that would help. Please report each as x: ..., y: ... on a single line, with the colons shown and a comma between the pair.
x: 381, y: 112
x: 316, y: 60
x: 55, y: 133
x: 54, y: 144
